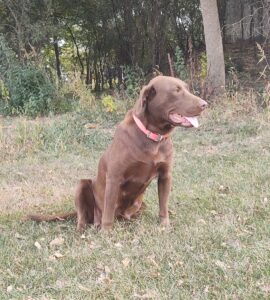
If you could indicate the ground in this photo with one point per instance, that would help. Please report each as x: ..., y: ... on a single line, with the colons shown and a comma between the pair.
x: 216, y: 248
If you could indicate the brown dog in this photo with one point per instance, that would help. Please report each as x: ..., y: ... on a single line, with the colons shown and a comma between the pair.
x: 140, y: 151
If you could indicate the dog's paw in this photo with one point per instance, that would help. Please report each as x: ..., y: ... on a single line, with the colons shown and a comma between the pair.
x: 106, y: 227
x: 81, y: 227
x: 164, y: 222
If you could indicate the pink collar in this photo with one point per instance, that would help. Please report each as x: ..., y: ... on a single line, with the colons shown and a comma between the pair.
x: 151, y: 135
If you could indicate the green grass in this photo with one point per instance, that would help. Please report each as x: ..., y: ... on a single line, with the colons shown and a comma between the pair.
x: 219, y: 241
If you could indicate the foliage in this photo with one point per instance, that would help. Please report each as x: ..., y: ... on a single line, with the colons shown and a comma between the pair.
x: 180, y: 65
x: 74, y: 90
x: 233, y: 81
x: 95, y: 39
x: 109, y: 104
x: 203, y: 66
x: 134, y: 78
x: 263, y: 59
x: 4, y: 93
x: 27, y: 88
x: 104, y: 33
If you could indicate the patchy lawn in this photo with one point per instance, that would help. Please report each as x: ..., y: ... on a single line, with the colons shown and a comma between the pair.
x: 219, y: 241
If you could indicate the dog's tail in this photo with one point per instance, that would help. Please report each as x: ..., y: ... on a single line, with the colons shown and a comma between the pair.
x: 85, y: 207
x: 85, y: 204
x: 50, y: 218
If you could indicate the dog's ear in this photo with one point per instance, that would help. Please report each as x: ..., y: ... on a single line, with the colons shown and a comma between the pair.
x: 147, y: 93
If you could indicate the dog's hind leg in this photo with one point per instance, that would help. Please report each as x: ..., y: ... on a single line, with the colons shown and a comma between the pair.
x: 133, y: 210
x: 85, y: 204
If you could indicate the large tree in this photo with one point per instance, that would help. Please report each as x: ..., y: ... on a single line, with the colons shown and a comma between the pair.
x: 214, y: 47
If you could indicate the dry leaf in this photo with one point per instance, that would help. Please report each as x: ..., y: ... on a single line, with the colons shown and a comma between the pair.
x: 172, y: 213
x: 93, y: 245
x: 154, y: 274
x: 107, y: 270
x: 179, y: 263
x: 118, y: 245
x: 57, y: 254
x: 57, y: 242
x: 180, y: 282
x: 19, y: 236
x: 103, y: 279
x: 223, y: 189
x: 90, y: 126
x: 37, y: 245
x: 51, y: 257
x: 60, y: 284
x: 126, y: 262
x: 265, y: 200
x: 220, y: 264
x: 147, y: 295
x: 201, y: 221
x: 265, y: 288
x: 9, y: 288
x: 50, y: 269
x: 83, y: 288
x: 151, y: 258
x: 100, y: 267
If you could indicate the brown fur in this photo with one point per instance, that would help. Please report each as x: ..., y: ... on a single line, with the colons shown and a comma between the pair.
x: 132, y: 160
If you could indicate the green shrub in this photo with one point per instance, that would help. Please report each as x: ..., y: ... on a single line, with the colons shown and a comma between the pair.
x: 179, y: 64
x: 75, y: 92
x: 109, y: 103
x: 31, y: 91
x: 25, y: 87
x: 134, y: 80
x: 203, y: 66
x: 4, y: 93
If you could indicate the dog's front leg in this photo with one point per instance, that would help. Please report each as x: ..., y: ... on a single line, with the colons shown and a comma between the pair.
x: 110, y: 201
x: 164, y: 188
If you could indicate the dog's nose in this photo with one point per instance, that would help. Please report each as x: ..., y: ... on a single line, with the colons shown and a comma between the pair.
x: 203, y: 104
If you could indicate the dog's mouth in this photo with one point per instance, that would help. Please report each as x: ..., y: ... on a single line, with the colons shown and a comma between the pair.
x: 183, y: 121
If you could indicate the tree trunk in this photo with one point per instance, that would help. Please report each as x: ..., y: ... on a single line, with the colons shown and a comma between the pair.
x: 77, y: 49
x: 57, y: 57
x: 88, y: 79
x: 88, y: 73
x: 214, y: 47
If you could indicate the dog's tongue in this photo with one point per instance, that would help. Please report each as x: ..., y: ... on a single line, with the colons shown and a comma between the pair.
x: 184, y: 120
x: 176, y: 118
x: 193, y: 121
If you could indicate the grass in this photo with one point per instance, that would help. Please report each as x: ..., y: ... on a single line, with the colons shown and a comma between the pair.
x: 219, y: 241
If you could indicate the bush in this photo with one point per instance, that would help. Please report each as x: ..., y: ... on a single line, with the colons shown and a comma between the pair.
x: 73, y: 93
x: 179, y: 64
x: 203, y: 66
x: 25, y: 87
x: 109, y: 103
x: 134, y: 79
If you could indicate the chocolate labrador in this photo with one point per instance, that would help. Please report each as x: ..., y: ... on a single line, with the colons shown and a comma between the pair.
x: 141, y: 150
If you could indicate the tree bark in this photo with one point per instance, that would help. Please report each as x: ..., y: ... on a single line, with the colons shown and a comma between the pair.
x: 214, y: 47
x: 57, y: 57
x: 77, y: 50
x: 88, y: 79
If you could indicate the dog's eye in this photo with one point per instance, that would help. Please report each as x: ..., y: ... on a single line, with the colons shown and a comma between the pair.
x: 178, y: 89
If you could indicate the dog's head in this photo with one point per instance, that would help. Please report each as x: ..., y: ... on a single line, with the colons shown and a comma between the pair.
x: 168, y: 100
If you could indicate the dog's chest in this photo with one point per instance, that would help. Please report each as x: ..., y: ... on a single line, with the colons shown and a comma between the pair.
x: 138, y: 176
